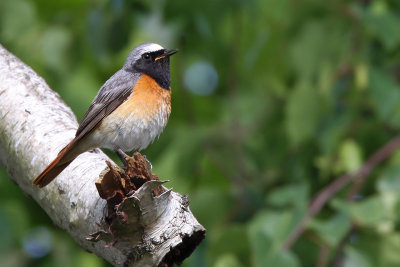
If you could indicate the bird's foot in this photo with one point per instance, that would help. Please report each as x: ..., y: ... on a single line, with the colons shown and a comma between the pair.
x: 122, y: 155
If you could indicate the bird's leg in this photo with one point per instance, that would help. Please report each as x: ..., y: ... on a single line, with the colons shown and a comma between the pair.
x: 148, y: 162
x: 121, y: 154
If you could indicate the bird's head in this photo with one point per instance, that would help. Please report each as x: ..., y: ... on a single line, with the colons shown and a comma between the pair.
x: 151, y: 59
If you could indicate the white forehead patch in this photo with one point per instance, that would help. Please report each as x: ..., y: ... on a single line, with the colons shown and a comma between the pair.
x: 150, y: 47
x: 139, y: 50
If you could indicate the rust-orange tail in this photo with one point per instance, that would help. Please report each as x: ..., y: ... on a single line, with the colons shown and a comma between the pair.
x: 55, y: 168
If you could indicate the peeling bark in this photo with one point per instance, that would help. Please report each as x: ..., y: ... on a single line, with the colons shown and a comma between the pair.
x: 139, y: 207
x: 137, y: 222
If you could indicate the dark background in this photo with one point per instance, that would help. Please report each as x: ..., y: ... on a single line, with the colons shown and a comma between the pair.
x: 272, y: 101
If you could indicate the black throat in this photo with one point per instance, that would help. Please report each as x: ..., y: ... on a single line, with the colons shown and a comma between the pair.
x: 160, y: 73
x: 158, y: 70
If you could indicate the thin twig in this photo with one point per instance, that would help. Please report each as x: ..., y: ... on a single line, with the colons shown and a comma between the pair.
x: 328, y: 192
x: 323, y: 256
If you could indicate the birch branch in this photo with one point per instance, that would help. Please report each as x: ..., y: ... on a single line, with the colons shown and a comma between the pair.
x: 140, y: 229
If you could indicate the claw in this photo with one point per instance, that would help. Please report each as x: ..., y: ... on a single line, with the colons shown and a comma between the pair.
x: 148, y: 162
x: 122, y: 155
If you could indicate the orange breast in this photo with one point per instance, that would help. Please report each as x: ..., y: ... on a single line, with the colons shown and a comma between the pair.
x: 147, y: 100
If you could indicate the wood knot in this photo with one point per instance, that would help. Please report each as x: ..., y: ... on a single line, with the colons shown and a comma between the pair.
x: 117, y: 183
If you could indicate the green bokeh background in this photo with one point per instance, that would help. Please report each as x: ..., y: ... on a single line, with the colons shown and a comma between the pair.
x: 307, y: 90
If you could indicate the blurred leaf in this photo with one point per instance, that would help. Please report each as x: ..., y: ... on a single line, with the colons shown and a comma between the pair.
x: 385, y: 93
x: 332, y: 132
x: 332, y: 230
x: 250, y: 107
x: 303, y: 113
x: 276, y: 225
x: 389, y: 187
x: 354, y: 258
x: 361, y: 76
x: 368, y: 212
x: 390, y: 250
x: 210, y: 206
x: 389, y: 180
x: 316, y: 44
x: 226, y: 241
x: 308, y: 49
x: 350, y: 156
x: 227, y: 260
x: 326, y: 79
x: 265, y: 253
x: 290, y: 194
x: 383, y: 25
x: 267, y: 232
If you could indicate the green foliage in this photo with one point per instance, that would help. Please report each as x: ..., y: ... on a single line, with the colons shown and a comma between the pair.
x: 333, y: 229
x: 385, y: 93
x: 307, y: 91
x: 267, y: 232
x: 304, y: 112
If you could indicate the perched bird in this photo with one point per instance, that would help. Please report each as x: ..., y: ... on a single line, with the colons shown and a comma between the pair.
x: 130, y: 110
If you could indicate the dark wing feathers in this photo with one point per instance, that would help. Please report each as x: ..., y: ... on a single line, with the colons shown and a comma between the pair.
x: 112, y: 94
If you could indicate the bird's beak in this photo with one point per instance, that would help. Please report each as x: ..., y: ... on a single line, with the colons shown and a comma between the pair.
x: 167, y: 53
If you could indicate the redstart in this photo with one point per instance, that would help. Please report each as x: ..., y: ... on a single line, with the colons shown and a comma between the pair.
x: 130, y: 110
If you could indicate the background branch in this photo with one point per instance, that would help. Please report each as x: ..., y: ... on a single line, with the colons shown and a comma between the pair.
x: 328, y: 192
x: 34, y: 125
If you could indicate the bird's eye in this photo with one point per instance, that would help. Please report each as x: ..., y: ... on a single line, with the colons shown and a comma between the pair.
x: 146, y: 56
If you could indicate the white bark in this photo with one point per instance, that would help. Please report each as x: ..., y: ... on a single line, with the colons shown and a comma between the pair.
x: 34, y: 125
